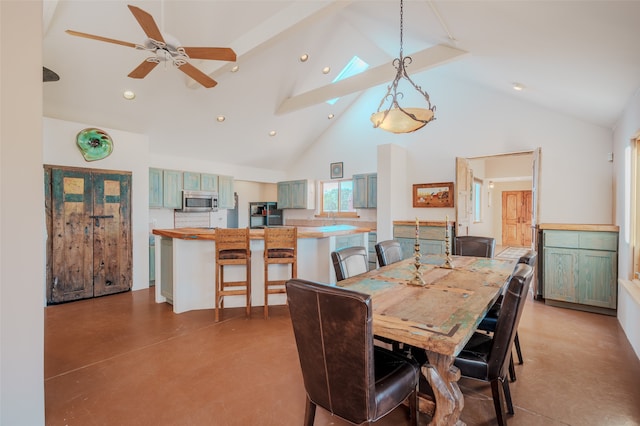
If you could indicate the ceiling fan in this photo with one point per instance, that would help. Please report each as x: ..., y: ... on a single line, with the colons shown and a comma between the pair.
x: 166, y: 50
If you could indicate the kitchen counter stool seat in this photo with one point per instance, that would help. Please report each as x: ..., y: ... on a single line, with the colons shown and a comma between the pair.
x: 280, y: 248
x: 232, y: 249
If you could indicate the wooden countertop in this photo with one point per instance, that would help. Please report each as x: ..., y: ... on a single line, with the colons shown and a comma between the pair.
x: 258, y: 234
x: 579, y: 227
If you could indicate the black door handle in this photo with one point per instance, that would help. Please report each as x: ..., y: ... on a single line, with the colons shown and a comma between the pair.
x: 98, y: 217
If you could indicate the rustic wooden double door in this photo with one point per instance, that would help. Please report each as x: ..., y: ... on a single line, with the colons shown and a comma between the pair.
x: 89, y: 241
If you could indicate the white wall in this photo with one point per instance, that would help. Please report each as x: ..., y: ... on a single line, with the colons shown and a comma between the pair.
x: 131, y: 154
x: 627, y: 127
x: 250, y: 192
x: 21, y: 220
x: 472, y: 122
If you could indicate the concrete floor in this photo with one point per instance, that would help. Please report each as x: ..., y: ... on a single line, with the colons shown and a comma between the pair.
x: 125, y: 360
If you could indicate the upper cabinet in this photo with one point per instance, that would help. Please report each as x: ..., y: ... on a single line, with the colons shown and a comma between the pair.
x: 155, y: 188
x: 209, y: 182
x: 172, y: 188
x: 365, y: 191
x: 225, y: 192
x: 296, y: 194
x: 165, y: 187
x: 191, y: 181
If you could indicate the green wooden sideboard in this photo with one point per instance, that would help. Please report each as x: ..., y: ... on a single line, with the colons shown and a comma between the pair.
x: 579, y: 265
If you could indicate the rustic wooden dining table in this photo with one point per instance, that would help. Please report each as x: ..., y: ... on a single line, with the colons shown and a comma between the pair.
x: 439, y: 316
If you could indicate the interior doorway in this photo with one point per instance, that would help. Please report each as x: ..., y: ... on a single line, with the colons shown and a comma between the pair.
x: 480, y: 185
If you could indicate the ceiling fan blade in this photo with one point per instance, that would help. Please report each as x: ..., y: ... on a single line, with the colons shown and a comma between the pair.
x: 143, y: 69
x: 49, y: 75
x: 99, y: 38
x: 197, y: 75
x: 147, y: 23
x: 213, y: 53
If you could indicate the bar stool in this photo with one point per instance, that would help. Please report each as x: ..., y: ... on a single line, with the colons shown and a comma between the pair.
x: 232, y: 248
x: 280, y: 248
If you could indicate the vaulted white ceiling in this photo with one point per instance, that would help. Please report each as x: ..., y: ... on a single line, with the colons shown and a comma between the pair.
x: 580, y: 58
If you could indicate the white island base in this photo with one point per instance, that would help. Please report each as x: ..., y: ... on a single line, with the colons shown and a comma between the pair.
x: 185, y: 266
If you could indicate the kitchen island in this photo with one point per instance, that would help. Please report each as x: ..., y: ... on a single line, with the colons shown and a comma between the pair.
x: 185, y: 264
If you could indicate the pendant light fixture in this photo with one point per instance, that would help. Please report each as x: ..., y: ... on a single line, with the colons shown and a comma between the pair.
x: 395, y: 118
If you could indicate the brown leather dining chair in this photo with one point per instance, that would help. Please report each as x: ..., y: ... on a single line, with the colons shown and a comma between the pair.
x: 232, y: 248
x: 486, y: 357
x: 280, y: 248
x: 470, y: 245
x: 343, y: 371
x: 349, y: 262
x: 490, y: 320
x: 388, y: 252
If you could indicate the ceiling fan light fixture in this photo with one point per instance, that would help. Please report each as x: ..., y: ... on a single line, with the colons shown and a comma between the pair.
x: 129, y: 95
x: 394, y: 118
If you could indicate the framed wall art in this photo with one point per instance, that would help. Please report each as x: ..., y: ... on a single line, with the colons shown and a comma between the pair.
x: 433, y: 194
x: 336, y: 170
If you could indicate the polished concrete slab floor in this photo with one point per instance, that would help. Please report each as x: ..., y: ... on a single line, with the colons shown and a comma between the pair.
x: 125, y: 360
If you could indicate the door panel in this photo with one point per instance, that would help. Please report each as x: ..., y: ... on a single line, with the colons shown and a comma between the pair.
x: 71, y: 236
x: 112, y: 263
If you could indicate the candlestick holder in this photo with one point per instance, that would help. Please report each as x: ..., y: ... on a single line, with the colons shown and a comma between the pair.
x: 448, y: 261
x: 417, y: 275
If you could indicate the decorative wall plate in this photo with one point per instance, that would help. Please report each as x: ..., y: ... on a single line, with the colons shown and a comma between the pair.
x: 94, y: 144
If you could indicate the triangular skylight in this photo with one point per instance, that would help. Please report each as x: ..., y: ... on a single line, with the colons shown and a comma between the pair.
x: 355, y: 66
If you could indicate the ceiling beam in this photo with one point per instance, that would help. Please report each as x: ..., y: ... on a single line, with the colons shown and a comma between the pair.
x: 284, y: 24
x: 423, y: 60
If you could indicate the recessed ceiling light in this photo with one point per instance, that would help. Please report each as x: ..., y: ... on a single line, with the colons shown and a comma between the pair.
x: 221, y: 118
x: 326, y: 70
x: 235, y: 68
x: 330, y: 116
x: 129, y: 95
x: 518, y: 86
x: 304, y: 57
x: 272, y: 133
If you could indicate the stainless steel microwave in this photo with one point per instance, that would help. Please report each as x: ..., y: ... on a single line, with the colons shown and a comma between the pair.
x: 199, y: 201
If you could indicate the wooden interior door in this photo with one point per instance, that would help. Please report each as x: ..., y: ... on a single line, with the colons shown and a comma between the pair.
x: 517, y: 210
x: 89, y: 244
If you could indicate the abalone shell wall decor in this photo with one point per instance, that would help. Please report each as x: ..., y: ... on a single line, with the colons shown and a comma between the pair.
x: 94, y: 144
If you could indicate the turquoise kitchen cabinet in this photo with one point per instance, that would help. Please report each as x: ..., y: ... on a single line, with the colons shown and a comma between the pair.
x: 296, y: 194
x: 172, y: 189
x: 155, y: 188
x: 225, y: 192
x: 365, y: 191
x: 191, y: 181
x: 209, y: 182
x: 579, y: 269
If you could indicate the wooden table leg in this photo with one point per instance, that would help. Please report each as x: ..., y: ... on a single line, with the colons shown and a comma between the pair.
x: 443, y: 376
